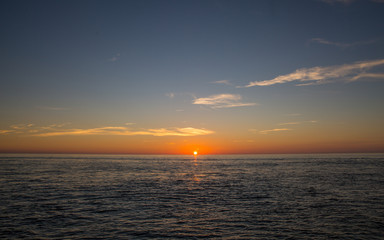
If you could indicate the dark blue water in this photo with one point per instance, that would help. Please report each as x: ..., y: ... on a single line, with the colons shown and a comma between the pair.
x: 173, y: 197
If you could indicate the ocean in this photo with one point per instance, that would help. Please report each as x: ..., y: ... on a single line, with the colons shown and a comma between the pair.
x: 322, y: 196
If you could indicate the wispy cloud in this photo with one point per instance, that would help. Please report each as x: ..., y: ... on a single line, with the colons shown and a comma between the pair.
x: 21, y: 126
x: 159, y: 132
x: 16, y: 128
x: 222, y: 101
x: 367, y: 75
x: 170, y: 95
x: 289, y: 123
x: 268, y: 131
x: 188, y: 131
x: 114, y: 58
x: 297, y: 123
x: 53, y: 126
x: 321, y: 75
x: 58, y: 130
x: 91, y: 131
x: 4, y: 132
x: 340, y: 44
x: 225, y: 82
x: 274, y: 130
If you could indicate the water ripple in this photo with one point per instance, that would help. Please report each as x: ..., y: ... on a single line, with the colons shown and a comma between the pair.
x: 177, y: 197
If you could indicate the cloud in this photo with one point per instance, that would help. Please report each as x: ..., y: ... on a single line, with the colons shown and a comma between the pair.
x: 297, y: 123
x: 321, y: 75
x: 339, y: 44
x: 225, y: 82
x: 4, y: 132
x: 16, y: 128
x: 281, y: 129
x: 188, y: 131
x: 222, y: 101
x: 21, y: 126
x: 367, y: 75
x: 289, y: 123
x: 274, y: 130
x: 58, y: 130
x: 91, y: 131
x: 114, y: 58
x: 170, y: 95
x: 123, y: 131
x: 54, y: 126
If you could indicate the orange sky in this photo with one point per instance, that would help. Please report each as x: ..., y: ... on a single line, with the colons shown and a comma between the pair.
x: 172, y: 77
x: 289, y: 142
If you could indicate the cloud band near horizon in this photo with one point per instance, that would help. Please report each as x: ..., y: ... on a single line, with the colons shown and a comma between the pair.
x: 122, y: 131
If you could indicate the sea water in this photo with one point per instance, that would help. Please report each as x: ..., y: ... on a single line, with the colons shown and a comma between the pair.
x: 182, y: 197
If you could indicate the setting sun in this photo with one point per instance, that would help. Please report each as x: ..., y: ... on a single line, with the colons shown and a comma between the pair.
x: 153, y: 118
x: 226, y: 108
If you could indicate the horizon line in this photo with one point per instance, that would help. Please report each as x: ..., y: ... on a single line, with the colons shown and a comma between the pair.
x: 260, y: 153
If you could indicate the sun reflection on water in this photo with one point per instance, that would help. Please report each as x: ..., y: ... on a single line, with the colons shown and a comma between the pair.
x: 196, y: 164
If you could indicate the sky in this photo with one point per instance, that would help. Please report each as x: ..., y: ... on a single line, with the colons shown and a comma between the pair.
x: 174, y: 77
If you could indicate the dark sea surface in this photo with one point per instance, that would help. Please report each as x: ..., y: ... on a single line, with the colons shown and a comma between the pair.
x: 339, y: 196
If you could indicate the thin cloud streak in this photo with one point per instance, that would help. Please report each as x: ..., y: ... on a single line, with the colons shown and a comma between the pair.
x: 225, y: 82
x: 92, y: 131
x: 4, y: 132
x: 339, y: 44
x: 58, y: 130
x: 321, y: 75
x: 297, y: 123
x: 274, y: 130
x: 21, y: 126
x: 268, y: 131
x: 123, y: 131
x: 222, y: 101
x: 170, y: 95
x: 54, y: 126
x: 289, y: 123
x: 367, y: 75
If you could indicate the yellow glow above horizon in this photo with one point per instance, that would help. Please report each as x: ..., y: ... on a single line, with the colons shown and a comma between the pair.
x: 297, y: 140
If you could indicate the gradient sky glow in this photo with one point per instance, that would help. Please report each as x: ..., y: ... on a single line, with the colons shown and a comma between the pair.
x: 172, y: 77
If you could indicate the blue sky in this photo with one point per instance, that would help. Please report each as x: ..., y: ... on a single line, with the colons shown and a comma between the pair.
x: 233, y: 68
